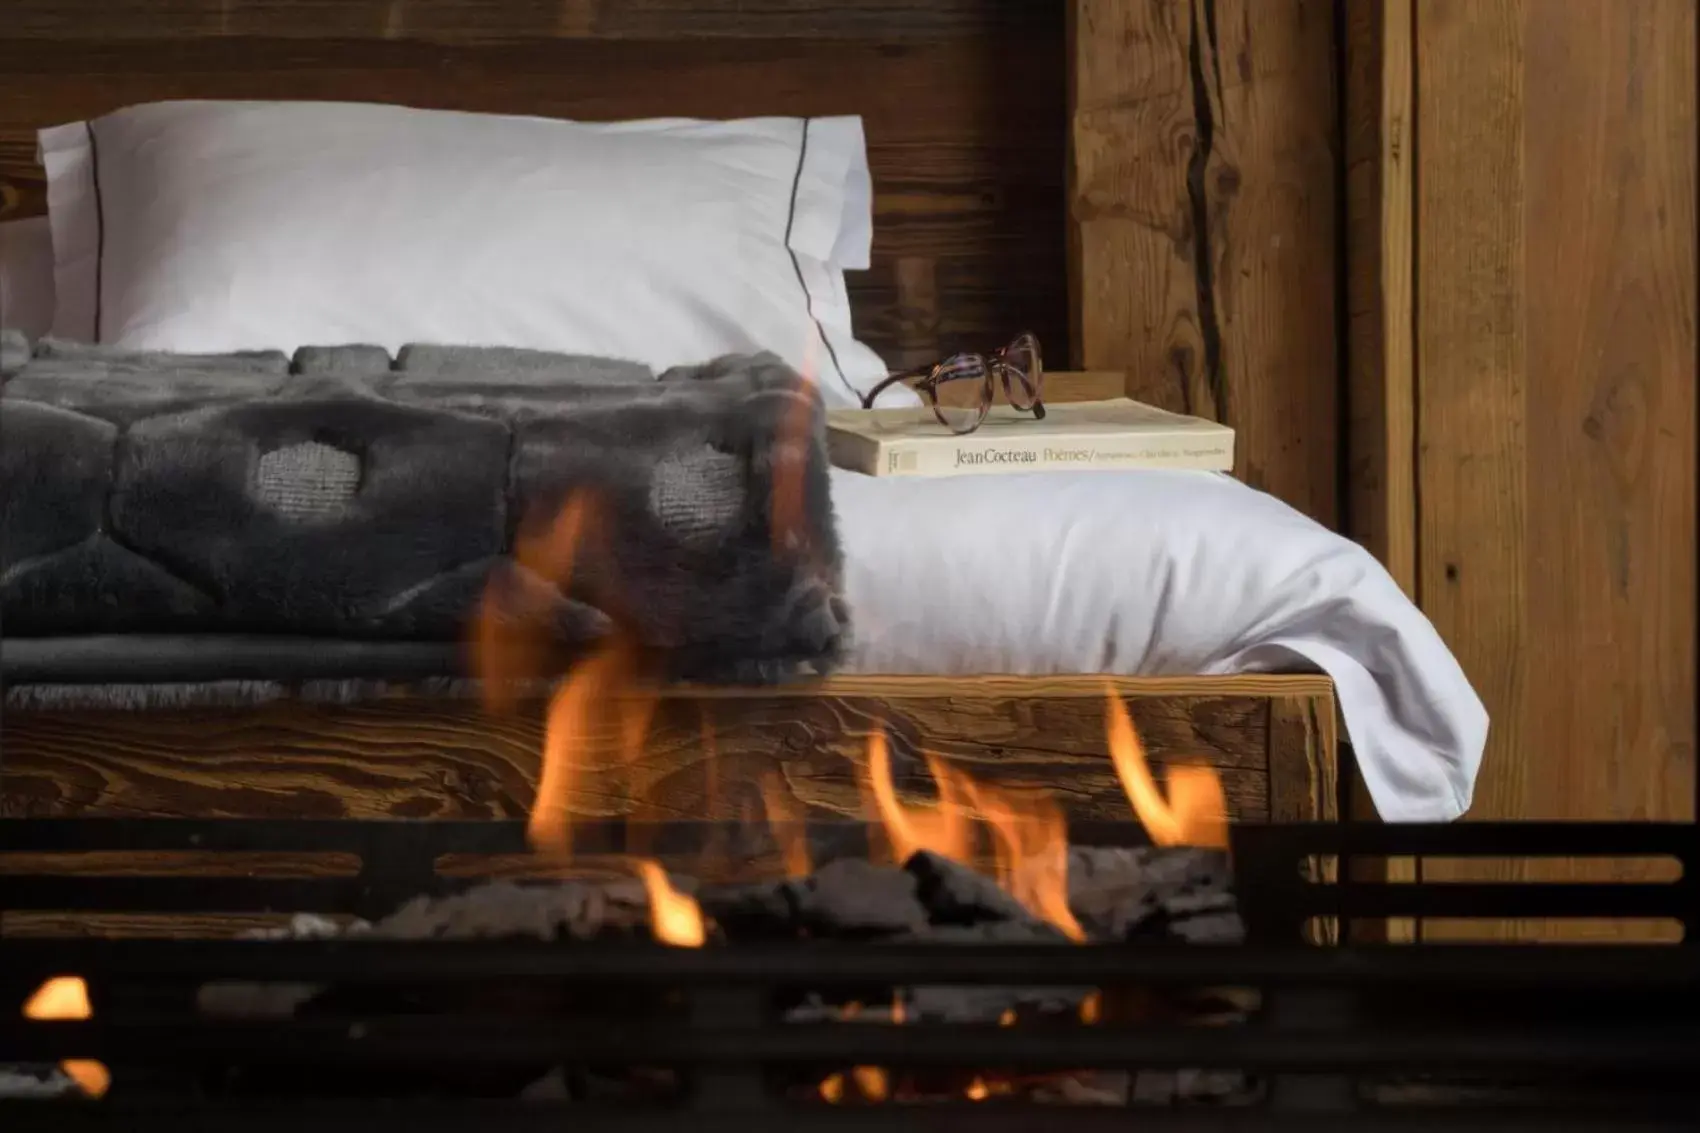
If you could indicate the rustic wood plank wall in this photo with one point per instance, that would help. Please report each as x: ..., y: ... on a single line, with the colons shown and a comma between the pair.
x: 1525, y: 460
x: 963, y: 102
x: 1204, y: 174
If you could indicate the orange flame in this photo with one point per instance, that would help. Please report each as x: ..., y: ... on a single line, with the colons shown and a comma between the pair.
x: 569, y: 740
x: 674, y: 918
x: 786, y: 822
x: 1030, y: 843
x: 67, y: 997
x: 1196, y: 811
x: 507, y: 645
x: 1030, y: 836
x: 603, y: 690
x: 943, y: 829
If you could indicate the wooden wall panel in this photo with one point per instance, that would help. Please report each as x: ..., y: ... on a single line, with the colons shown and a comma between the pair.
x: 1380, y: 497
x: 1555, y: 397
x: 963, y: 102
x: 1202, y: 197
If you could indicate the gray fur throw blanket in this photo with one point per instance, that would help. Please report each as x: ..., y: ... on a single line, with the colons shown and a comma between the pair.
x: 343, y: 496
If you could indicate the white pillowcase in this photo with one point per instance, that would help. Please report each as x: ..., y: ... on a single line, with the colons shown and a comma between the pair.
x: 26, y: 276
x: 217, y: 226
x: 1157, y: 573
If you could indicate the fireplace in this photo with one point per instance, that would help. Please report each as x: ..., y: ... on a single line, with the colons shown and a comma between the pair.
x: 1309, y: 1026
x: 981, y: 959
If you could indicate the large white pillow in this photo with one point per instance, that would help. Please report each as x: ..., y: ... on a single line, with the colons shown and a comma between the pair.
x: 26, y: 276
x: 1157, y: 573
x: 218, y: 226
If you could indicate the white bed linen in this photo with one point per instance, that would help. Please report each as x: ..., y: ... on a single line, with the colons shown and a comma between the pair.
x: 1153, y: 573
x: 211, y: 226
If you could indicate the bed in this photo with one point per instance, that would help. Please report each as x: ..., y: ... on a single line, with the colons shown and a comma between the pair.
x: 990, y: 622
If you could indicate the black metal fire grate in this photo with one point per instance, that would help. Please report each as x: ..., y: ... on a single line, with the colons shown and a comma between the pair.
x: 1351, y: 1037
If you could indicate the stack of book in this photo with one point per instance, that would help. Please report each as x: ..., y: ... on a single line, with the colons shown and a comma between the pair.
x: 1074, y: 436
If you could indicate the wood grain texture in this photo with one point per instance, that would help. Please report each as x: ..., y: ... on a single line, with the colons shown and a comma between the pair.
x: 968, y: 204
x: 1381, y: 492
x: 482, y: 21
x: 417, y: 758
x: 1556, y: 344
x: 1202, y: 190
x: 1270, y: 737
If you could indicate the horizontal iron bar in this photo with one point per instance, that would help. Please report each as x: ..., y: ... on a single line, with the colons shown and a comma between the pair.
x: 987, y: 1117
x: 482, y: 1041
x: 380, y: 894
x: 364, y: 836
x: 1493, y: 899
x: 1566, y: 839
x: 200, y: 894
x: 832, y: 963
x: 347, y: 894
x: 1472, y: 839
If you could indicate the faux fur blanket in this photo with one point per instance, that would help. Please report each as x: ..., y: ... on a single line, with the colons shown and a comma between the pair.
x: 348, y: 496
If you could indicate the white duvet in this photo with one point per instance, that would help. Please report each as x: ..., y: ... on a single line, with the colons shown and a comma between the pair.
x: 1151, y: 573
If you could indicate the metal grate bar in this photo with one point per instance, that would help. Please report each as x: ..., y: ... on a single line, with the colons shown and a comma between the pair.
x: 438, y: 1117
x: 830, y: 963
x: 469, y: 1041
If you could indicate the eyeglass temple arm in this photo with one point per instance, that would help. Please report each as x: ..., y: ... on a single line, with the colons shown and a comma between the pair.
x: 891, y: 380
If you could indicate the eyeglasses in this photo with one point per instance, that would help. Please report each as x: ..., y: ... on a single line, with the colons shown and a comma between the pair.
x: 961, y: 388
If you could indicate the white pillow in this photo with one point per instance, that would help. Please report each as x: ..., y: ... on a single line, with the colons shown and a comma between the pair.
x: 1157, y: 573
x: 217, y: 226
x: 26, y: 276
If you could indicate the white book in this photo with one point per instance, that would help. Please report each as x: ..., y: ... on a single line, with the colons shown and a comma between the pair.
x: 1082, y: 435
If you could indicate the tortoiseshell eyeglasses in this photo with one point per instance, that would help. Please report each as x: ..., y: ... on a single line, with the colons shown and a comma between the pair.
x: 962, y: 387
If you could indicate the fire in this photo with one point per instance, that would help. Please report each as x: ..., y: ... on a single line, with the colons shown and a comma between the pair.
x: 674, y: 918
x: 507, y: 645
x: 1030, y: 843
x: 944, y: 829
x: 1196, y: 811
x: 603, y: 693
x: 67, y: 997
x: 605, y: 699
x: 1030, y: 836
x: 569, y: 739
x: 786, y: 821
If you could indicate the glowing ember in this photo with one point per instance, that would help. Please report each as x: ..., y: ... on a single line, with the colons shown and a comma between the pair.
x: 978, y: 1091
x: 1196, y: 811
x: 67, y: 997
x: 871, y: 1081
x: 673, y: 917
x: 1092, y: 1008
x: 832, y: 1089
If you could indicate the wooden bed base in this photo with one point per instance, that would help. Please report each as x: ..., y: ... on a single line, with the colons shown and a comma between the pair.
x: 1272, y: 739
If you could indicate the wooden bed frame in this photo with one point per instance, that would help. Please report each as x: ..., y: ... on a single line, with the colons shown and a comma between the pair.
x: 1080, y: 169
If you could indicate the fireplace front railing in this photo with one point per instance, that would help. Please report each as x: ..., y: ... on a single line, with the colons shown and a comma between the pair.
x: 1336, y: 1031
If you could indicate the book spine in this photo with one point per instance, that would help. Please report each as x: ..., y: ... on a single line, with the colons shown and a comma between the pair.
x: 931, y: 457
